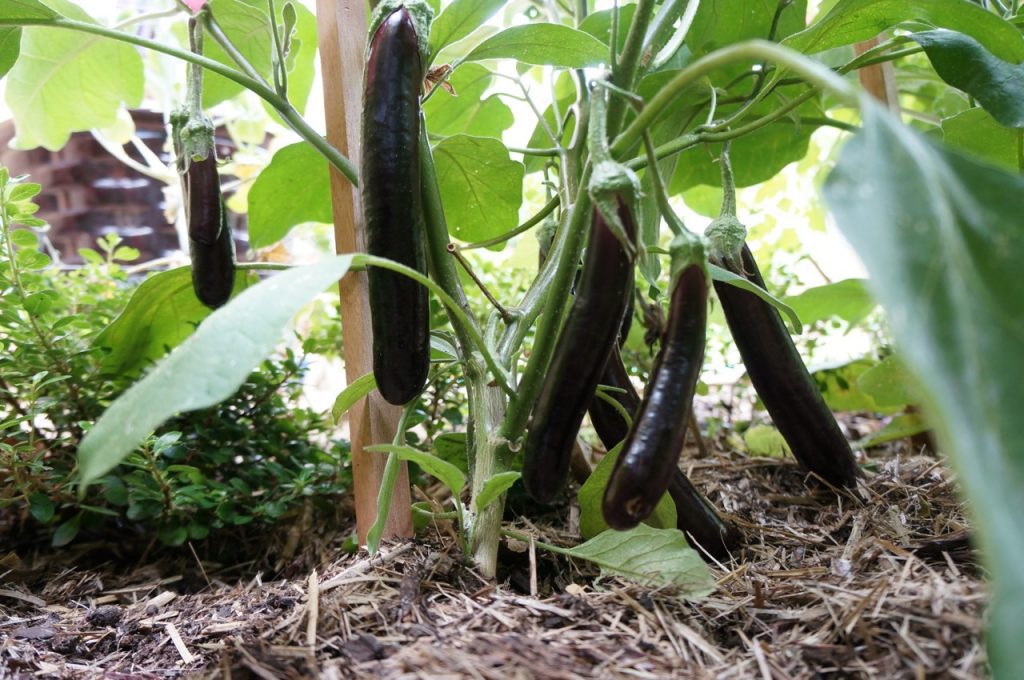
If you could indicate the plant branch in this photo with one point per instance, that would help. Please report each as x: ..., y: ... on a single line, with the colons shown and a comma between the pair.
x: 553, y: 300
x: 626, y: 69
x: 505, y: 315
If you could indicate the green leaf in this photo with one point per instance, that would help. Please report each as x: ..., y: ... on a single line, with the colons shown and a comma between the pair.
x: 591, y: 497
x: 22, y: 10
x: 352, y: 393
x: 856, y: 20
x: 599, y: 24
x: 24, y: 238
x: 765, y: 441
x: 248, y: 28
x: 460, y: 18
x: 10, y: 47
x: 900, y: 427
x: 889, y: 384
x: 838, y: 384
x: 301, y: 60
x: 649, y: 556
x: 726, y: 276
x: 724, y: 22
x: 756, y: 156
x: 543, y: 44
x: 494, y: 487
x: 448, y: 474
x: 23, y: 192
x: 848, y: 299
x: 451, y: 448
x: 294, y: 188
x: 481, y: 187
x: 468, y: 112
x: 32, y: 259
x: 209, y: 366
x: 442, y: 348
x: 161, y: 313
x: 941, y: 238
x: 964, y: 63
x: 976, y: 132
x: 66, y: 532
x: 67, y: 81
x: 41, y: 507
x: 173, y: 535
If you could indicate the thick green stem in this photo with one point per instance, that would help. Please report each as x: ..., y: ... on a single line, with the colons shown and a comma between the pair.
x: 487, y: 404
x: 553, y: 301
x: 628, y: 63
x: 262, y: 90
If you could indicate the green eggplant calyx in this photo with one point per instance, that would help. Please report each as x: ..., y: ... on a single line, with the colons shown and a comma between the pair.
x: 193, y: 137
x: 421, y: 14
x: 726, y: 236
x: 612, y: 185
x: 688, y: 250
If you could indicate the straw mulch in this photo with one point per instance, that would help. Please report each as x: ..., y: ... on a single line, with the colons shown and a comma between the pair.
x: 879, y: 583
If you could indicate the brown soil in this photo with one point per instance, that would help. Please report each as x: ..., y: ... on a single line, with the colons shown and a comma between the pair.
x: 879, y: 583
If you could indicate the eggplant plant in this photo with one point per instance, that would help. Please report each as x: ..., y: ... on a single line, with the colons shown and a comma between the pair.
x: 633, y: 109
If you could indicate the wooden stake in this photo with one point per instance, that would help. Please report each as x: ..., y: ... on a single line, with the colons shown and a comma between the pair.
x: 878, y: 79
x: 342, y: 28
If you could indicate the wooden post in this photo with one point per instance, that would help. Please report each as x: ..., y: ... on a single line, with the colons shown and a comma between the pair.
x: 879, y: 80
x: 342, y: 30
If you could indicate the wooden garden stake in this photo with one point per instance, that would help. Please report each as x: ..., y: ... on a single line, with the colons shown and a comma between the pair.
x: 342, y: 28
x: 879, y: 80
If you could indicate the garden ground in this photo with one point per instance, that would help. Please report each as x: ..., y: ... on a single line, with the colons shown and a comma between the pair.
x: 882, y: 583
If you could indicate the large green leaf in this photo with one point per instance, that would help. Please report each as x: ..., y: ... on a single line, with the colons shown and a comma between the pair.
x: 543, y: 44
x: 161, y: 313
x: 482, y: 188
x: 757, y: 156
x: 208, y: 367
x: 976, y: 132
x: 22, y: 10
x: 852, y: 21
x: 459, y: 19
x: 889, y: 384
x: 248, y: 28
x: 965, y: 64
x: 942, y: 239
x: 591, y: 497
x: 725, y: 22
x: 650, y: 556
x: 599, y: 24
x: 468, y: 112
x: 66, y: 81
x: 294, y: 188
x: 10, y: 47
x: 848, y: 299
